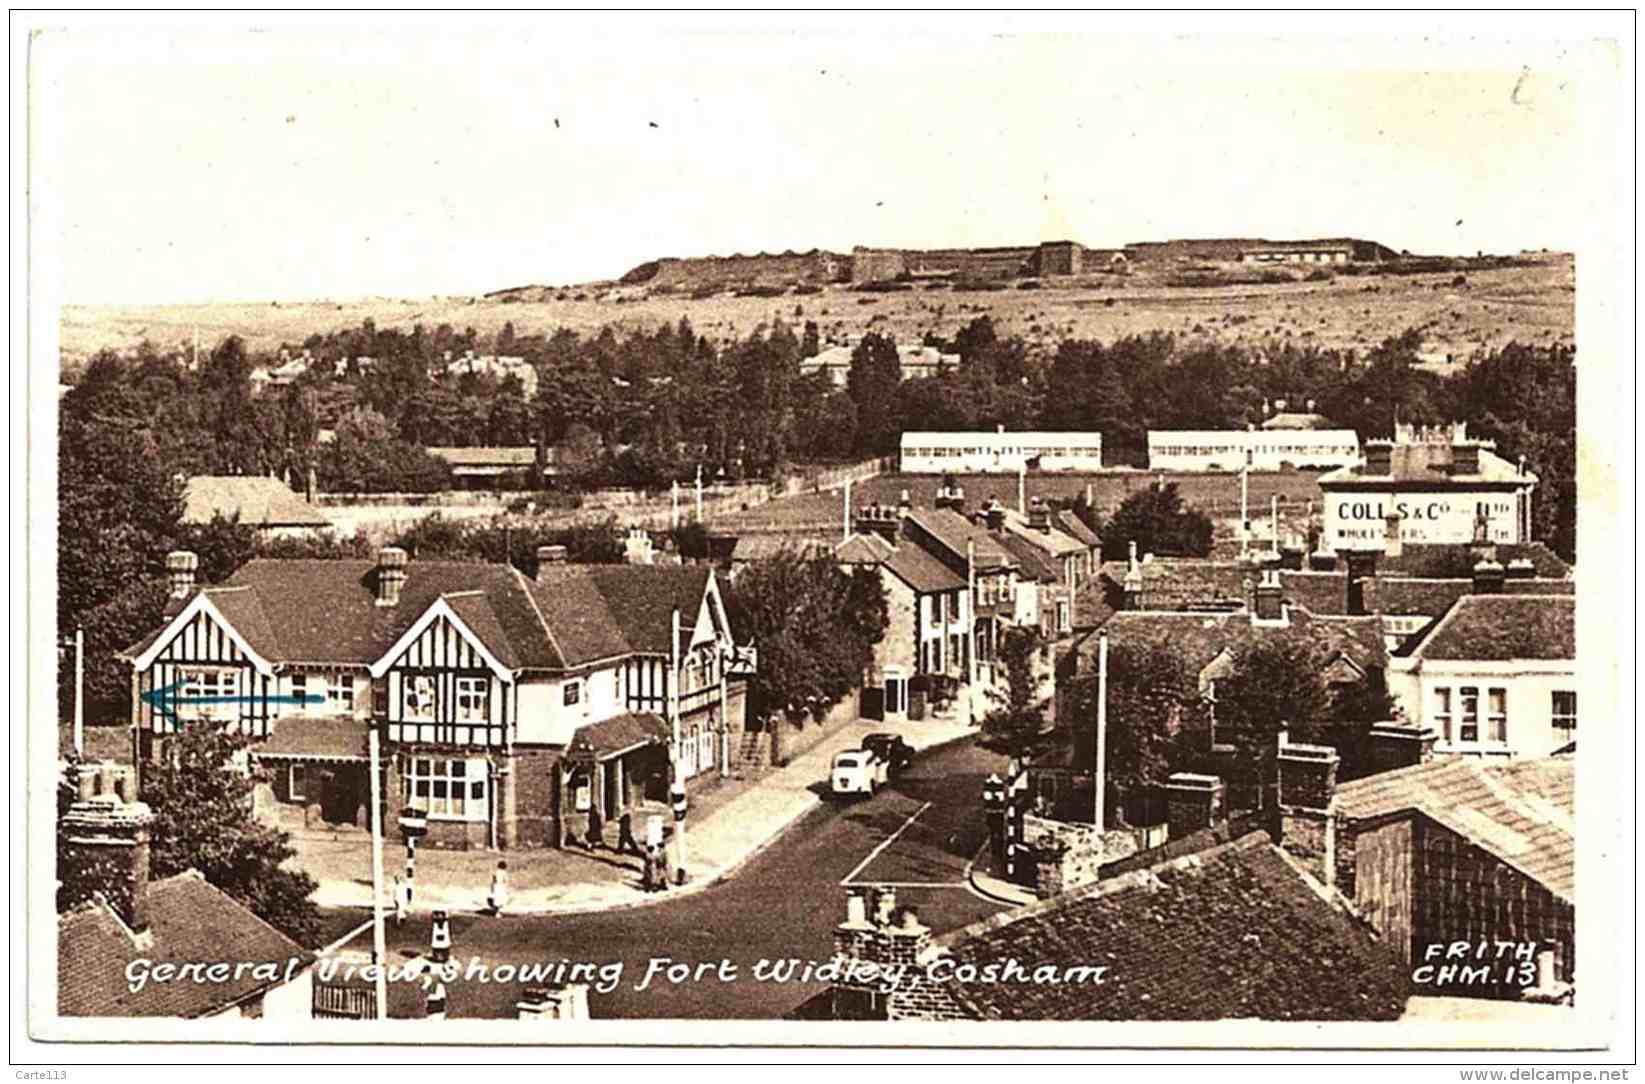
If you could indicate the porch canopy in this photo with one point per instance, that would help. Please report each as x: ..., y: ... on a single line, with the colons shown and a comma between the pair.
x: 611, y: 738
x: 301, y: 737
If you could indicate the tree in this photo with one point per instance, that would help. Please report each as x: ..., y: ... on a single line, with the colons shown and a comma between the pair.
x: 203, y: 820
x: 1274, y: 684
x: 1155, y: 714
x: 873, y: 382
x: 1158, y: 522
x: 1015, y: 725
x: 814, y: 628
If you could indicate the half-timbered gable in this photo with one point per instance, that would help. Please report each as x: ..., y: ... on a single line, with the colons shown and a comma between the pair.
x: 442, y: 684
x: 209, y: 667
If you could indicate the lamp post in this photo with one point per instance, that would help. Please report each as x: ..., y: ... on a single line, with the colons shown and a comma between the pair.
x: 413, y: 826
x: 677, y: 800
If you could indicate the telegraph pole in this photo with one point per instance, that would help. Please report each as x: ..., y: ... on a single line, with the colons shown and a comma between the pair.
x: 79, y: 692
x: 1099, y: 779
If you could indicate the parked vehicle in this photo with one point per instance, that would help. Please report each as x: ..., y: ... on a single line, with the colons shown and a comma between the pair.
x: 856, y: 772
x: 892, y: 749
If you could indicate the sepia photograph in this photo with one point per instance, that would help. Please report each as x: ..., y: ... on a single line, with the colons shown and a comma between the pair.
x: 782, y: 533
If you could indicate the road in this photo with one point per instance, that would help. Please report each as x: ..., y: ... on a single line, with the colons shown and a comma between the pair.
x: 918, y: 836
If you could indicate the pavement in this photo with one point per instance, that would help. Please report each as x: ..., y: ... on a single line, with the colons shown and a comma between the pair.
x: 980, y: 875
x: 728, y: 824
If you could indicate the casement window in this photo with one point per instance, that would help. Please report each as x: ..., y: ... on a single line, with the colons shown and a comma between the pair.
x: 297, y: 783
x: 445, y: 789
x: 1564, y: 709
x: 1496, y: 715
x: 573, y: 693
x: 1062, y: 617
x: 216, y: 684
x: 1442, y: 714
x: 472, y: 694
x: 417, y: 697
x: 1468, y: 715
x: 340, y: 693
x: 299, y: 692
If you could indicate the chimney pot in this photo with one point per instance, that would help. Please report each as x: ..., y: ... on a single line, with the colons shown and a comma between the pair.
x: 1488, y: 577
x: 181, y: 566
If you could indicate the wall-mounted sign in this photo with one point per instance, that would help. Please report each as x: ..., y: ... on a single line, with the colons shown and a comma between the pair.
x: 1359, y: 520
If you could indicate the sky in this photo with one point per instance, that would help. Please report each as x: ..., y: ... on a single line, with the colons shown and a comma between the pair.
x: 213, y: 164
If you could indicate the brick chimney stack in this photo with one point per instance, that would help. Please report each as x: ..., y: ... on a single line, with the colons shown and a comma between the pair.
x: 1400, y: 745
x: 181, y: 566
x: 1192, y: 802
x: 1307, y: 782
x: 994, y: 515
x: 1488, y: 577
x: 105, y: 829
x: 549, y: 555
x: 391, y: 575
x: 877, y: 519
x: 1269, y: 603
x: 1039, y: 516
x: 1379, y: 457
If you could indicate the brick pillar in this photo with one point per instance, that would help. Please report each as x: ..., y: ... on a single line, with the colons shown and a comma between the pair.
x: 1192, y: 802
x: 105, y: 834
x: 1400, y: 745
x: 1307, y: 782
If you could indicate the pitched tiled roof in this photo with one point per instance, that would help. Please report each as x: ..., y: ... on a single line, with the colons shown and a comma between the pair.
x: 761, y: 547
x: 1177, y: 584
x: 1455, y: 560
x: 1201, y: 637
x: 642, y: 598
x: 1521, y: 811
x: 1033, y: 563
x: 325, y: 611
x: 1295, y: 420
x: 1235, y: 932
x: 610, y: 737
x: 316, y: 738
x: 525, y: 456
x: 258, y: 501
x: 190, y: 921
x: 1075, y: 527
x: 1498, y: 628
x: 1053, y: 541
x: 921, y: 571
x: 952, y: 531
x: 863, y: 549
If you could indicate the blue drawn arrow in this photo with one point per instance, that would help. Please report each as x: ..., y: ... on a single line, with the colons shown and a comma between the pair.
x: 166, y: 700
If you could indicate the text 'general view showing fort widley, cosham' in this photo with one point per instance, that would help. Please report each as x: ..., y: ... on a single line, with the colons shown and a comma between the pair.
x: 1031, y: 595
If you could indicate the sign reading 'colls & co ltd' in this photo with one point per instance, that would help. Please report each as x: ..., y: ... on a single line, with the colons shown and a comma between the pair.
x: 1359, y: 520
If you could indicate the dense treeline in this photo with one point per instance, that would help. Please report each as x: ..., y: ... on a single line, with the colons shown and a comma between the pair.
x: 653, y: 406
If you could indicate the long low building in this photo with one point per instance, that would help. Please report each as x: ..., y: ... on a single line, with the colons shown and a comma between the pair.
x: 1234, y: 449
x: 1000, y: 452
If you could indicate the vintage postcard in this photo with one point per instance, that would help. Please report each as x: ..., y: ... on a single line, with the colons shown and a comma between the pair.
x: 901, y: 531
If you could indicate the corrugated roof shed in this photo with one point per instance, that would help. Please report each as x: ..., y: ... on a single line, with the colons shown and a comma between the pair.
x: 1233, y: 932
x: 1521, y: 811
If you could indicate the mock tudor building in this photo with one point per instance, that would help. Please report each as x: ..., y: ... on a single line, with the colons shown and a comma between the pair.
x: 510, y: 707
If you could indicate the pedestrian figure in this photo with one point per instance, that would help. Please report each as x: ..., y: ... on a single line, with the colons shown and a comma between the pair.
x: 596, y: 830
x: 402, y: 901
x: 434, y: 982
x: 625, y: 835
x: 499, y: 889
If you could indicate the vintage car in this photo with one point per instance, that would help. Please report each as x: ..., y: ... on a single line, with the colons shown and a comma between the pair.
x: 856, y: 772
x: 892, y: 749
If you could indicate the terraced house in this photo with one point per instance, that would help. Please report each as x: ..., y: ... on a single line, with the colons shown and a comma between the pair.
x: 510, y: 707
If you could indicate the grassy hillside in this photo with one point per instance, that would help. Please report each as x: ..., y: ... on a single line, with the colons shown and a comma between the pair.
x: 1492, y: 307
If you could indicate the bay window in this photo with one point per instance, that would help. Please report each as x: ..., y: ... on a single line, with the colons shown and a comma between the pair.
x: 445, y: 788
